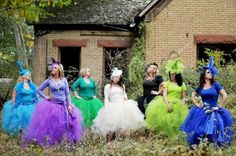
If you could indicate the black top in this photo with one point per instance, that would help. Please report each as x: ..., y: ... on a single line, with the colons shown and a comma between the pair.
x: 149, y: 85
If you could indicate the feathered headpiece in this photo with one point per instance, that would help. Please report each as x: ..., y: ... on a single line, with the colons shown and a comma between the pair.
x: 211, y: 67
x: 116, y: 72
x: 22, y: 71
x: 54, y: 64
x: 174, y: 66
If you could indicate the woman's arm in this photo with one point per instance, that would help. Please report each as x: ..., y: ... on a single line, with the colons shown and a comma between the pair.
x: 125, y: 95
x: 95, y: 89
x: 74, y: 88
x: 170, y: 109
x: 183, y: 94
x: 67, y: 92
x: 68, y: 97
x: 160, y: 91
x: 106, y: 98
x: 195, y: 99
x: 223, y: 98
x: 42, y: 87
x: 14, y: 96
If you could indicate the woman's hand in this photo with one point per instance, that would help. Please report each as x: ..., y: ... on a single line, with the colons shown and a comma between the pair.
x: 169, y: 108
x: 215, y: 108
x: 13, y: 102
x: 79, y: 97
x: 70, y: 108
x: 49, y: 97
x: 199, y: 105
x: 153, y: 92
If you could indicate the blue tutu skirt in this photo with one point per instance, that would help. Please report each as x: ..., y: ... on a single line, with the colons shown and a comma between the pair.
x: 15, y: 118
x: 216, y: 125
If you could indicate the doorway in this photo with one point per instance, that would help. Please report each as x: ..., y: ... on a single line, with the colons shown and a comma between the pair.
x: 70, y: 59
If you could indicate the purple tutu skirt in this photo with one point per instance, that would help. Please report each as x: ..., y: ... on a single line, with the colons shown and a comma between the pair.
x: 52, y: 123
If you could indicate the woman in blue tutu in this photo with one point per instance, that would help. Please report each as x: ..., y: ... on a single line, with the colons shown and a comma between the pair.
x: 208, y: 120
x: 55, y: 118
x: 17, y: 112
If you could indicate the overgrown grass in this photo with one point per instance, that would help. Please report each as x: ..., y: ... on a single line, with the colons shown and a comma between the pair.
x: 139, y: 144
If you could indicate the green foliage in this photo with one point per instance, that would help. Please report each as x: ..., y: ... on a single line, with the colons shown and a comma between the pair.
x: 136, y: 68
x: 227, y: 77
x: 29, y: 10
x: 217, y: 54
x: 9, y: 51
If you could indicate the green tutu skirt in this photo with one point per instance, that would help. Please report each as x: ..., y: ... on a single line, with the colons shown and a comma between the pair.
x: 89, y: 109
x: 159, y: 120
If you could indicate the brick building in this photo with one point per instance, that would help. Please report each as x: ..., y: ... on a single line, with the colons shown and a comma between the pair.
x: 188, y: 26
x: 79, y: 34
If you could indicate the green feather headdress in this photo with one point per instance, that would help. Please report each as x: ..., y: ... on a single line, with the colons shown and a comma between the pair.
x: 174, y: 66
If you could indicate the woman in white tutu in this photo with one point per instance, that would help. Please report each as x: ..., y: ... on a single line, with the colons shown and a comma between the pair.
x: 119, y: 114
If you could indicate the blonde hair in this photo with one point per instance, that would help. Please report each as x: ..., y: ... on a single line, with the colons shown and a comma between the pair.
x: 61, y: 72
x: 146, y: 69
x: 21, y: 78
x: 83, y: 71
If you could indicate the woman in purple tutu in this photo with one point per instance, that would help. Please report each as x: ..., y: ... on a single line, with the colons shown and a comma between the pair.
x: 55, y: 118
x: 208, y: 120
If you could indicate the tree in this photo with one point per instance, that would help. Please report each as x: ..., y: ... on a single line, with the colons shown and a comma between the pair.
x: 29, y: 10
x: 16, y: 37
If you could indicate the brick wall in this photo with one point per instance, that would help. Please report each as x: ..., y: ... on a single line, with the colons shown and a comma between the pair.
x: 92, y: 55
x: 174, y: 27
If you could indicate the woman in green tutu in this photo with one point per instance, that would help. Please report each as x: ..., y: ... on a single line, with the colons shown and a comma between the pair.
x: 85, y: 98
x: 165, y: 114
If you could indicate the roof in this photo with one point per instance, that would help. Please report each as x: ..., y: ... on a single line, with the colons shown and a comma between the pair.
x: 118, y: 12
x: 155, y: 6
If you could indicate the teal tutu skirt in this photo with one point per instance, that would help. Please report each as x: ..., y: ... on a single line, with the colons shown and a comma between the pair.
x: 160, y: 120
x: 89, y: 109
x: 15, y: 118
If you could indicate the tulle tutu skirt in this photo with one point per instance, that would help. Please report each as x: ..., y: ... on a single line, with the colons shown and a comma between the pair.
x: 118, y: 117
x: 158, y: 119
x: 52, y: 123
x: 15, y: 118
x: 215, y: 125
x: 89, y: 109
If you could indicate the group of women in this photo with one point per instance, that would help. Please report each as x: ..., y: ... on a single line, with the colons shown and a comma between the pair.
x: 51, y: 119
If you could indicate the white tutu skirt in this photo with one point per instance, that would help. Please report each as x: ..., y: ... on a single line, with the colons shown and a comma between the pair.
x: 118, y: 117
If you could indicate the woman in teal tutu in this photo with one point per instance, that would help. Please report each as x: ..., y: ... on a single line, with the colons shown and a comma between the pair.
x: 208, y: 120
x: 17, y: 112
x: 165, y: 114
x: 85, y: 99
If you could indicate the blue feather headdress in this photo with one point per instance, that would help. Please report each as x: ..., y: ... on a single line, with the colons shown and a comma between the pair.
x: 22, y: 71
x: 211, y: 67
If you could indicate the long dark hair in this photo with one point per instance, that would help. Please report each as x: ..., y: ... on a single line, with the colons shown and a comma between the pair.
x: 178, y: 78
x: 120, y: 83
x: 202, y: 79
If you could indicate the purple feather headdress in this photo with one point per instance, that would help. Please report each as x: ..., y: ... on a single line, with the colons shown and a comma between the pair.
x: 54, y: 64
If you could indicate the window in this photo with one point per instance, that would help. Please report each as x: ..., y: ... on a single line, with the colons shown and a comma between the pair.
x: 228, y: 49
x: 116, y: 57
